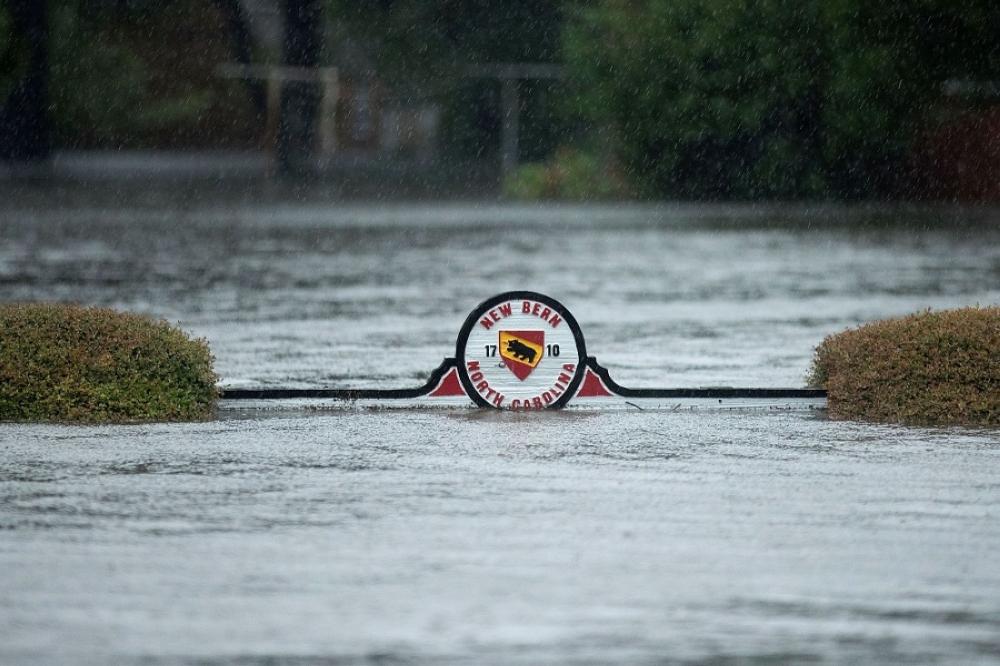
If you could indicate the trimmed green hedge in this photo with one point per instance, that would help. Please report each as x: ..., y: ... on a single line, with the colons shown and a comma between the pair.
x: 95, y: 365
x: 927, y: 368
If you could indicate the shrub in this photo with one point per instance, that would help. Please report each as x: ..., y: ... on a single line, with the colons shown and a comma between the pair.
x: 70, y: 363
x: 927, y: 368
x: 570, y: 174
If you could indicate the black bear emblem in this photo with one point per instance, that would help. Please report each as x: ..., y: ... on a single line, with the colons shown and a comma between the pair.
x: 520, y: 351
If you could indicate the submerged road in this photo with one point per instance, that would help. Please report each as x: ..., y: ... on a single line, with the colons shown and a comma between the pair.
x: 470, y: 537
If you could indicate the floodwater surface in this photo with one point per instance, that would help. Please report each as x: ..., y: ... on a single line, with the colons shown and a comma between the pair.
x: 471, y: 537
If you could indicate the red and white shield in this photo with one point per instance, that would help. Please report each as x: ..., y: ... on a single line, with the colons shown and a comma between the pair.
x: 522, y: 351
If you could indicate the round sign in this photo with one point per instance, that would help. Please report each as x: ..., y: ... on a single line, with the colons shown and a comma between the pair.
x: 521, y: 350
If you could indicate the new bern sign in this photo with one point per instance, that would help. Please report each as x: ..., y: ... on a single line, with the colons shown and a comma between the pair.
x: 522, y: 350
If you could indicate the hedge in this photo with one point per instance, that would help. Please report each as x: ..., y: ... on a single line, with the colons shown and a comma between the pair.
x: 927, y: 368
x: 94, y: 365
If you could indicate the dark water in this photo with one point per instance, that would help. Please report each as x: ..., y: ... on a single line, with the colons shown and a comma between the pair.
x: 468, y: 537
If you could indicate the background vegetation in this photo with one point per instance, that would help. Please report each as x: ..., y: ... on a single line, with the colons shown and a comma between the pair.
x: 710, y: 99
x: 423, y: 47
x: 69, y: 363
x: 136, y: 75
x: 928, y: 368
x: 773, y: 98
x: 572, y: 174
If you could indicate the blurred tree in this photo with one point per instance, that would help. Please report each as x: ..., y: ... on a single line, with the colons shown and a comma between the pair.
x: 302, y: 47
x: 25, y: 125
x: 127, y: 74
x: 13, y: 55
x: 428, y: 45
x: 426, y: 40
x: 771, y: 98
x: 99, y: 84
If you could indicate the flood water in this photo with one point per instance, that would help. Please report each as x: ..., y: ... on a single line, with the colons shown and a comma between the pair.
x: 471, y: 537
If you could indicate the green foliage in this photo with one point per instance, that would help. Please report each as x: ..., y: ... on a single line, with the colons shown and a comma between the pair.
x: 418, y: 39
x: 12, y: 56
x: 97, y: 85
x: 927, y: 368
x: 134, y: 74
x: 472, y: 117
x: 570, y: 174
x: 105, y: 86
x: 751, y: 98
x: 75, y: 364
x: 425, y: 47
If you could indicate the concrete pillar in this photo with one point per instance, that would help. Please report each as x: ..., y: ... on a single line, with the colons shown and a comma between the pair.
x: 300, y: 98
x: 510, y: 108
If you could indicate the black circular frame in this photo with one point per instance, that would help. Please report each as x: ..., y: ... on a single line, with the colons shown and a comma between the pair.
x: 486, y: 306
